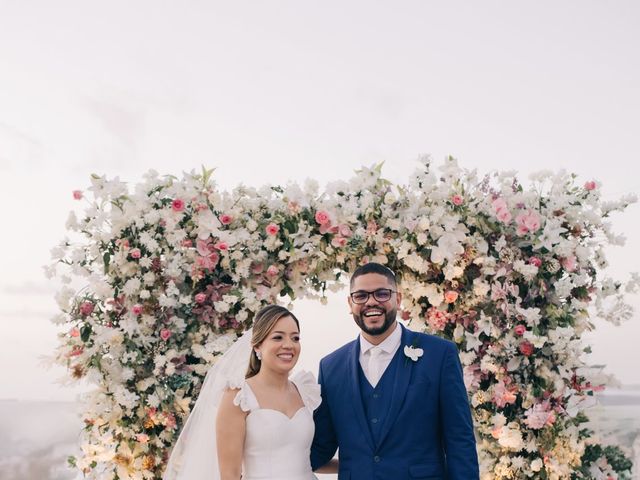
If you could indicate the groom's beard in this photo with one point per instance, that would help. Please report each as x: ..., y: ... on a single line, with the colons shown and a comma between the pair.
x: 389, y: 318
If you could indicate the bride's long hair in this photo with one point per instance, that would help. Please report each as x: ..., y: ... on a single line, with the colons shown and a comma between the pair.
x: 263, y: 322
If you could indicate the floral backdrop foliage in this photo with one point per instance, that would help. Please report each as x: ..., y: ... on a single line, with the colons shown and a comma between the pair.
x: 158, y: 279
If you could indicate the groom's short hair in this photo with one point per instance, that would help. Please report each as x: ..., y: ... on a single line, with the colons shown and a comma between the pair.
x: 373, y: 267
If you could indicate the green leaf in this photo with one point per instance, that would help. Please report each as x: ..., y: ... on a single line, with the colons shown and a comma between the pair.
x: 85, y: 332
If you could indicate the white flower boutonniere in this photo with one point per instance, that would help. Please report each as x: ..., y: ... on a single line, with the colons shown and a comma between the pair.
x: 413, y: 353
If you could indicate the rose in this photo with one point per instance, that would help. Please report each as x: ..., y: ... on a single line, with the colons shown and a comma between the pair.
x: 200, y: 297
x: 137, y: 309
x: 345, y: 231
x: 272, y: 229
x: 535, y: 261
x: 457, y: 200
x: 135, y: 253
x: 77, y: 194
x: 86, y: 308
x: 590, y: 185
x: 450, y: 296
x: 222, y: 246
x: 226, y: 219
x: 322, y: 217
x: 272, y: 270
x: 165, y: 334
x: 519, y: 330
x: 526, y: 348
x: 177, y: 205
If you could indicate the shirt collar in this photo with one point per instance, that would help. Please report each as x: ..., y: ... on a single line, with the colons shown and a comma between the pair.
x: 388, y: 345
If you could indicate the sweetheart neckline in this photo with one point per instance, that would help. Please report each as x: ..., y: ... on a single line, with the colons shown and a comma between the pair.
x: 278, y: 411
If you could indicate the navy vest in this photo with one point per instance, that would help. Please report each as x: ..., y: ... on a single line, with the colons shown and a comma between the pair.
x: 377, y: 401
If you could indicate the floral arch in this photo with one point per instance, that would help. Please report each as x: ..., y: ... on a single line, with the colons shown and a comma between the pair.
x: 173, y: 269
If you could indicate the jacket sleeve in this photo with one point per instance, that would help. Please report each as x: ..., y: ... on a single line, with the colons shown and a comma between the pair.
x: 325, y: 442
x: 457, y: 424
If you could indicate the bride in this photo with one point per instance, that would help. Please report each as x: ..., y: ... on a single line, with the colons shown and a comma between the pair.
x: 256, y: 426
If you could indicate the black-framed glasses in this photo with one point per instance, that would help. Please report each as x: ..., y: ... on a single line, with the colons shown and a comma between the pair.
x: 380, y: 295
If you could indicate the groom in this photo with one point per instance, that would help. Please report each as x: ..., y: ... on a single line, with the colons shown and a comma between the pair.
x: 393, y: 400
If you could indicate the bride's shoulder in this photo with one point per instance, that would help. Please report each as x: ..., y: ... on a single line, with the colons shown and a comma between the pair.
x: 241, y: 396
x: 308, y: 387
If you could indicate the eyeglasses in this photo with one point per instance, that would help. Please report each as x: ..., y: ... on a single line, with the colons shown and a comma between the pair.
x: 381, y: 295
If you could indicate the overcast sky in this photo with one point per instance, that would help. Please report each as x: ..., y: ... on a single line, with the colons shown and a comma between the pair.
x: 274, y: 91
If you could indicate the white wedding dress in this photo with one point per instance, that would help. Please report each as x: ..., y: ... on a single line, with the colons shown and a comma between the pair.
x: 277, y: 447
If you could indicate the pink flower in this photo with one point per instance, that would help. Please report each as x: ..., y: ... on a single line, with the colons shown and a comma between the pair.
x: 502, y: 210
x: 226, y: 219
x: 519, y: 330
x: 528, y: 222
x: 322, y: 217
x: 338, y: 242
x: 450, y: 296
x: 222, y: 246
x: 272, y: 229
x: 187, y: 242
x: 165, y: 334
x: 86, y: 308
x: 142, y: 437
x: 77, y: 194
x: 345, y: 231
x: 200, y: 297
x: 539, y: 415
x: 590, y: 185
x: 272, y: 270
x: 569, y: 263
x: 457, y: 200
x: 135, y: 253
x: 502, y: 396
x: 535, y: 261
x: 137, y: 309
x: 526, y: 348
x: 257, y: 268
x: 74, y: 332
x: 204, y: 247
x: 177, y: 205
x: 209, y: 262
x: 328, y: 228
x: 436, y: 319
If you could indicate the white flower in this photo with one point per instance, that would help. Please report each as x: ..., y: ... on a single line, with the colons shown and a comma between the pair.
x: 448, y: 247
x: 412, y: 352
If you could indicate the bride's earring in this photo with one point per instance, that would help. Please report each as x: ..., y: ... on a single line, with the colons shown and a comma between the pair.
x: 258, y: 354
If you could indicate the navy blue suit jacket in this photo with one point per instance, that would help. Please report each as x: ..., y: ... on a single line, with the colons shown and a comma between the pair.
x: 428, y: 432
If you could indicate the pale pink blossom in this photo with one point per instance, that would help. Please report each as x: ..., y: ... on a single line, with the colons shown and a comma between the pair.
x: 226, y: 219
x: 135, y: 253
x: 257, y: 268
x: 77, y: 194
x: 86, y: 308
x: 137, y: 309
x: 569, y: 263
x: 528, y: 222
x: 177, y: 205
x: 539, y: 416
x: 142, y: 438
x: 204, y: 247
x: 328, y: 228
x: 187, y: 242
x: 436, y: 319
x: 502, y: 396
x: 200, y: 297
x: 590, y: 185
x: 165, y: 334
x: 322, y: 217
x: 74, y: 332
x: 338, y: 242
x: 502, y: 210
x: 457, y: 200
x: 272, y: 229
x: 345, y: 231
x: 272, y: 270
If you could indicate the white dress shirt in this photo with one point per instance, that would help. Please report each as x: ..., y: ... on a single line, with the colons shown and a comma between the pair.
x: 374, y: 359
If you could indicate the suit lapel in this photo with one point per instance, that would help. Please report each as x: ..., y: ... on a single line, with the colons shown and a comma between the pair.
x: 354, y: 365
x: 400, y: 384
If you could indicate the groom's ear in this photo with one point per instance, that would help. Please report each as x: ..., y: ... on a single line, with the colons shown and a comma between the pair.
x: 398, y: 297
x: 350, y: 305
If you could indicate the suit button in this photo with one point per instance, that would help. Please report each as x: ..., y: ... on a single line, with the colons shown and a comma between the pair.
x: 376, y: 459
x: 374, y: 420
x: 375, y: 395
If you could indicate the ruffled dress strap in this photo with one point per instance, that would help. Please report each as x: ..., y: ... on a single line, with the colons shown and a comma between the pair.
x: 308, y: 388
x: 246, y: 399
